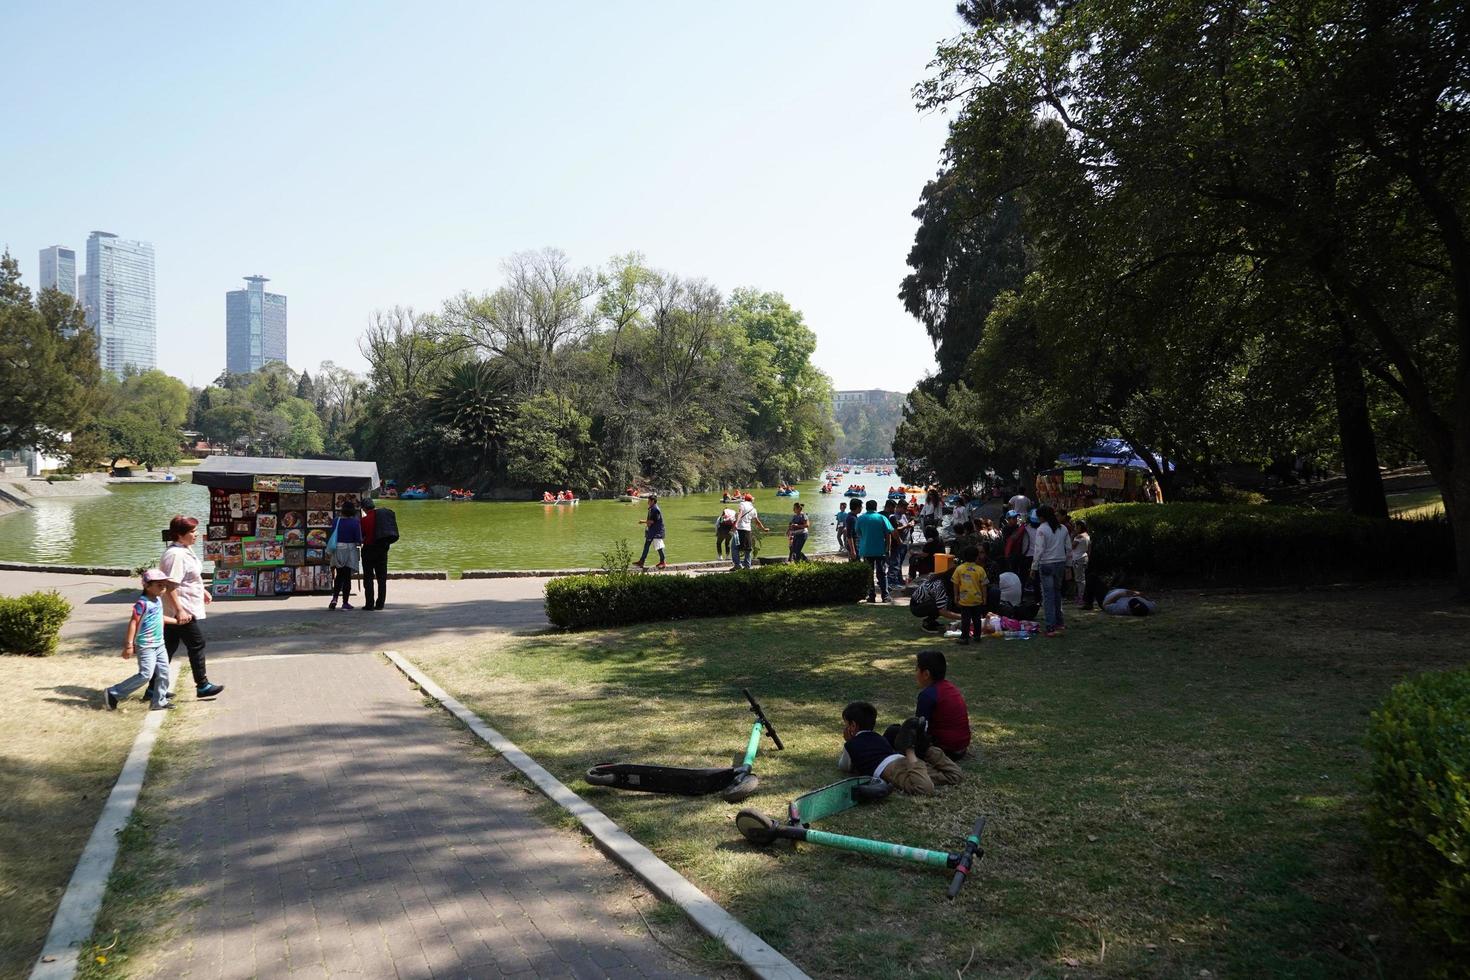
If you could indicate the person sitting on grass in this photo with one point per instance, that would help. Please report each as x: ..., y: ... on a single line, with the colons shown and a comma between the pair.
x: 941, y: 705
x: 145, y: 632
x: 908, y: 762
x: 931, y: 602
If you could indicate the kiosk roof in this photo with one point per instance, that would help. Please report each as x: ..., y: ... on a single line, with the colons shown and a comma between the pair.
x: 239, y: 472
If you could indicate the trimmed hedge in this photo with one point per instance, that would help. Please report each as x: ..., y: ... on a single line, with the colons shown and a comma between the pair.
x: 1419, y: 805
x: 1252, y: 545
x: 31, y: 624
x: 588, y: 601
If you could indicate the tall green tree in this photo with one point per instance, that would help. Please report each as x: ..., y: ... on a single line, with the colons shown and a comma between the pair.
x: 48, y: 365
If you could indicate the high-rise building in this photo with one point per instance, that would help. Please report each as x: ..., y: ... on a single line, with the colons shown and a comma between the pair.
x: 119, y: 302
x: 59, y: 269
x: 255, y: 327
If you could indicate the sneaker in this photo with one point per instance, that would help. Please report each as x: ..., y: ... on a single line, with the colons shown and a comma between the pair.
x: 1051, y: 634
x: 209, y: 690
x: 162, y: 707
x: 888, y: 600
x: 111, y: 697
x: 637, y: 564
x: 379, y: 606
x: 931, y: 629
x: 662, y: 564
x: 903, y: 741
x: 964, y: 641
x: 951, y: 634
x: 347, y: 605
x: 332, y: 604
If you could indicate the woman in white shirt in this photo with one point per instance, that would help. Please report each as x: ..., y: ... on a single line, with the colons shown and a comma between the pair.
x: 1050, y: 554
x: 190, y: 599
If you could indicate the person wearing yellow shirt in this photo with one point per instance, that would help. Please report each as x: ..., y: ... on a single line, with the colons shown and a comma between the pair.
x: 970, y: 585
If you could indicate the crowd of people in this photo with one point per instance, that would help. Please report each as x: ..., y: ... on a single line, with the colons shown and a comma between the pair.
x: 965, y: 565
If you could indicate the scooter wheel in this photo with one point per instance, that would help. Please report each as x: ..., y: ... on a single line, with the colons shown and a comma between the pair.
x: 755, y: 827
x: 599, y: 776
x: 740, y: 789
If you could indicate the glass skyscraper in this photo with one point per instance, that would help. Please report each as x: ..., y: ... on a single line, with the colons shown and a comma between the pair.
x: 255, y: 327
x: 59, y: 269
x: 119, y: 300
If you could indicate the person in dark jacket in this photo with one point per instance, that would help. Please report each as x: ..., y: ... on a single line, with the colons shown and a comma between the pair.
x: 375, y: 553
x: 653, y: 533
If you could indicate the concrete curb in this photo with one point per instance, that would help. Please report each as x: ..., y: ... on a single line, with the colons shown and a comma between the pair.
x: 77, y: 913
x: 20, y: 566
x: 758, y: 957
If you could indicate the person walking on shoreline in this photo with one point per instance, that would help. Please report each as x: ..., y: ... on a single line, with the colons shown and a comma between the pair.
x: 744, y: 519
x: 653, y: 533
x: 145, y: 637
x: 346, y: 548
x: 190, y: 601
x: 796, y: 532
x: 379, y: 532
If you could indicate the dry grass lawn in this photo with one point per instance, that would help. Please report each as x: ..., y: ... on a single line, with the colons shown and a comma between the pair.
x: 60, y: 753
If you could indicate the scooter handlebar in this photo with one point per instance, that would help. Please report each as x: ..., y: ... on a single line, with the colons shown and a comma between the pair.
x: 761, y: 717
x: 968, y: 856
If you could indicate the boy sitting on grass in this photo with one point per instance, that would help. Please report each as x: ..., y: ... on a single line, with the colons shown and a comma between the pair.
x: 941, y: 705
x: 909, y: 762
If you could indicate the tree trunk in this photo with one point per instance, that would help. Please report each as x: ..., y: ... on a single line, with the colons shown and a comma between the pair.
x: 1355, y: 432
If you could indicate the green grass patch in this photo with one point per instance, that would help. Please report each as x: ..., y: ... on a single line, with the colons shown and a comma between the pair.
x: 1167, y: 795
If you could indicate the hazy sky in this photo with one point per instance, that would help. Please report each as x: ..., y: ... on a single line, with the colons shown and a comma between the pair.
x: 364, y: 155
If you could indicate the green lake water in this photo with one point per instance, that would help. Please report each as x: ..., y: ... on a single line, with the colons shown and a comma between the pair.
x: 122, y: 528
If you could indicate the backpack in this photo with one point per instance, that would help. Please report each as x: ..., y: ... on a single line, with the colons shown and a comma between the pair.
x: 385, y: 527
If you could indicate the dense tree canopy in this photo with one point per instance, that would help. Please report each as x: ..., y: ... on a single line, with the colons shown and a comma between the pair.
x: 1237, y: 222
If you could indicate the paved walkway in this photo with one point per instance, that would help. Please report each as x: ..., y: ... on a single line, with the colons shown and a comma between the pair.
x: 336, y: 825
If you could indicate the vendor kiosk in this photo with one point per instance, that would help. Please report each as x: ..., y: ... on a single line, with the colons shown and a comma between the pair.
x: 269, y: 520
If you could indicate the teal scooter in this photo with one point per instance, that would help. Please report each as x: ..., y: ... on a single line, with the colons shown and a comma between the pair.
x: 843, y: 795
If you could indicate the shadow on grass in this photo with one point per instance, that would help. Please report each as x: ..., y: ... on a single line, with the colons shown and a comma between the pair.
x: 1166, y: 795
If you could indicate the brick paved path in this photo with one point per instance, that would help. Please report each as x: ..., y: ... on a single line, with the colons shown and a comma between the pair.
x: 337, y: 825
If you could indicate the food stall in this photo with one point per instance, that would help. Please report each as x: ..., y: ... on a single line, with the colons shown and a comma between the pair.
x: 269, y: 520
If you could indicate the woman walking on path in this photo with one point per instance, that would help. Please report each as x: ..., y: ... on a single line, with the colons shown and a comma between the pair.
x: 797, y: 531
x: 190, y: 600
x: 346, y: 538
x: 1052, y: 552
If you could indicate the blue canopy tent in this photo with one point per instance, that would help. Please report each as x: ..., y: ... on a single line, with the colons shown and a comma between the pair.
x: 1112, y: 452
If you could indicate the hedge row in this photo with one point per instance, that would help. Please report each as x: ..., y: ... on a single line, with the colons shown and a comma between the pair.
x: 1419, y: 806
x: 587, y: 601
x: 31, y: 624
x: 1248, y: 545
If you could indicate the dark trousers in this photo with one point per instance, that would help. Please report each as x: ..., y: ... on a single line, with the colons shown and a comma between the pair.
x: 192, y: 636
x: 342, y: 584
x: 722, y: 541
x: 798, y: 542
x: 375, y: 570
x: 972, y: 619
x: 880, y: 575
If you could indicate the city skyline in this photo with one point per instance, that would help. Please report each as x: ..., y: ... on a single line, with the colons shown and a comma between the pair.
x: 255, y: 327
x: 119, y: 302
x: 786, y: 159
x: 59, y: 269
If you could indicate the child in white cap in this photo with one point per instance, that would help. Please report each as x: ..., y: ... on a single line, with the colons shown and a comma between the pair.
x: 145, y: 633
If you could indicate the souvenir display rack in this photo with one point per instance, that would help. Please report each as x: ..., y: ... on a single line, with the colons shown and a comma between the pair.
x: 269, y: 520
x: 1075, y: 487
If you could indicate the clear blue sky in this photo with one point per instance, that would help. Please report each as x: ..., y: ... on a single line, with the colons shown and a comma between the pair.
x: 364, y: 155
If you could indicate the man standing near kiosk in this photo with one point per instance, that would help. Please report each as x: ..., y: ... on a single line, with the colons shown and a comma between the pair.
x: 379, y: 532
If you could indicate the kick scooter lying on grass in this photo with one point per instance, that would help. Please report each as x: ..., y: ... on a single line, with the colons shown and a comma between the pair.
x: 845, y: 794
x: 733, y: 783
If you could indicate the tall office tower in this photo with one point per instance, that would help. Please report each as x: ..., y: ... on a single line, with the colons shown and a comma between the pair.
x: 255, y: 327
x: 119, y: 302
x: 59, y: 269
